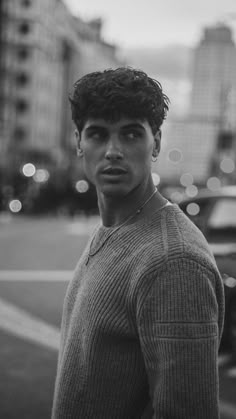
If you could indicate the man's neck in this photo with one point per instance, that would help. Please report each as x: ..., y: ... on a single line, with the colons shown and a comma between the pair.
x: 115, y: 211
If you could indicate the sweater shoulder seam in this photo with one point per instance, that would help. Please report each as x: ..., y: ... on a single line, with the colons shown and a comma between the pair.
x: 154, y: 275
x: 164, y: 265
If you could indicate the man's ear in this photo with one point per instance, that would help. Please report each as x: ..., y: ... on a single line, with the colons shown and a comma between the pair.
x: 157, y: 143
x: 77, y: 143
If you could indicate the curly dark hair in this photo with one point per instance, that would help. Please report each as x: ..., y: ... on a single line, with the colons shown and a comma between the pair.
x: 123, y: 92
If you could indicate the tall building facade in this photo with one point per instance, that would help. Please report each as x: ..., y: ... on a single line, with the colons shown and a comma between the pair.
x: 43, y: 50
x: 193, y: 145
x: 214, y: 80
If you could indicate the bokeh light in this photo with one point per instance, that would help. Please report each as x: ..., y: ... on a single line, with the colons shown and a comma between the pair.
x: 82, y: 186
x: 193, y: 208
x: 175, y: 155
x: 186, y: 179
x: 15, y: 205
x: 191, y: 191
x: 156, y: 178
x: 227, y: 165
x: 230, y: 282
x: 213, y: 183
x: 176, y: 196
x: 28, y: 169
x: 41, y: 175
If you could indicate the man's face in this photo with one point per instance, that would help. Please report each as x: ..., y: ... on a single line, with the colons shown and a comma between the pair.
x: 117, y: 156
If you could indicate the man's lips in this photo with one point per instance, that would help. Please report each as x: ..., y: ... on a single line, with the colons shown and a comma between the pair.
x: 114, y: 171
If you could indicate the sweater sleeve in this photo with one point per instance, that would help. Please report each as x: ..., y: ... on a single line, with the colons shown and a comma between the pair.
x: 179, y: 337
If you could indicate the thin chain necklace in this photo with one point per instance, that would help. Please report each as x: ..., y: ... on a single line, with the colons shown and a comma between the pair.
x: 90, y: 253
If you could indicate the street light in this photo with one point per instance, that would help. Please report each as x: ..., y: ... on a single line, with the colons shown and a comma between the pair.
x: 15, y: 205
x: 41, y: 175
x: 213, y: 183
x: 82, y: 186
x: 28, y: 169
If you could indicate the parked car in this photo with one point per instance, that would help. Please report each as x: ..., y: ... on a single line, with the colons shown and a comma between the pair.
x: 215, y: 215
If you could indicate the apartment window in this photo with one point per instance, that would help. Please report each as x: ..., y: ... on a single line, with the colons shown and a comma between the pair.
x: 22, y: 79
x: 23, y: 54
x: 24, y: 28
x: 26, y: 3
x: 22, y: 105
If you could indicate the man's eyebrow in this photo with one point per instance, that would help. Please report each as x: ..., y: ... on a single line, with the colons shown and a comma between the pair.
x: 133, y: 125
x: 93, y: 127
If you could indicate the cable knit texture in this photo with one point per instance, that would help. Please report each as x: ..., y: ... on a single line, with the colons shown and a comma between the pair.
x: 141, y: 325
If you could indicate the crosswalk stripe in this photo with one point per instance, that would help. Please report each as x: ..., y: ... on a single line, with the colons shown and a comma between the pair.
x: 20, y: 323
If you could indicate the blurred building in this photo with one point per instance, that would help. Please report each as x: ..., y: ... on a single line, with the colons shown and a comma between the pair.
x: 43, y: 50
x: 198, y: 143
x: 214, y: 82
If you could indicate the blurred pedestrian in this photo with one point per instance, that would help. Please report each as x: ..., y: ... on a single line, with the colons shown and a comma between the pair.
x: 143, y: 314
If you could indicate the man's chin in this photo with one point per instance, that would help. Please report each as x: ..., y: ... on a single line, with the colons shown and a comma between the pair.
x: 114, y: 191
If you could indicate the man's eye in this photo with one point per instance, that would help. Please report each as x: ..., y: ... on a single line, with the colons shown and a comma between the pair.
x: 132, y: 135
x: 96, y: 135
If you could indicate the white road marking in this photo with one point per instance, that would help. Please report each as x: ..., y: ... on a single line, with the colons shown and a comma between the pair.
x: 82, y: 227
x: 28, y: 275
x: 20, y: 323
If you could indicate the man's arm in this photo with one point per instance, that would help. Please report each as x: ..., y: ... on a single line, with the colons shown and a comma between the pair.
x: 178, y: 328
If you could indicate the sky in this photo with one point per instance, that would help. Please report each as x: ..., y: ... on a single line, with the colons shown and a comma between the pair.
x: 150, y: 23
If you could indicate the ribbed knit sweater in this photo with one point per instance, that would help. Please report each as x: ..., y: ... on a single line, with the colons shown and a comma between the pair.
x: 141, y: 325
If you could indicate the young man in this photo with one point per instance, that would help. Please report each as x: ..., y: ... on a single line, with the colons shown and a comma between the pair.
x: 143, y: 314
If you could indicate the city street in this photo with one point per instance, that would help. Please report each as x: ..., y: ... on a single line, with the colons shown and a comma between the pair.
x: 94, y: 105
x: 36, y: 261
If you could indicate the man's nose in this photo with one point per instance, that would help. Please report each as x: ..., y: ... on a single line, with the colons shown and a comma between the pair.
x: 114, y: 150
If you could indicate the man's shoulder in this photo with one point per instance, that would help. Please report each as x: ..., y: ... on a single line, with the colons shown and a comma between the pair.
x: 173, y: 236
x: 184, y: 238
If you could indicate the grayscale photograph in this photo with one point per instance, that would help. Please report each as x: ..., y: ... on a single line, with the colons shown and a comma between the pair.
x: 117, y: 209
